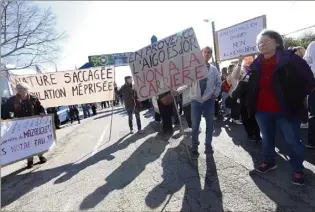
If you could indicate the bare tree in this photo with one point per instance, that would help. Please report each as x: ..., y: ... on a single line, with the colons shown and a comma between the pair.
x: 28, y: 35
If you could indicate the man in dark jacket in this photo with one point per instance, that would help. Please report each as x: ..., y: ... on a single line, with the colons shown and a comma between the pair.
x: 74, y: 113
x: 53, y: 110
x: 132, y: 105
x: 21, y: 105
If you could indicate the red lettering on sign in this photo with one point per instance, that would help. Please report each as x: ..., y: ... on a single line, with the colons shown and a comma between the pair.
x: 186, y: 75
x: 172, y: 67
x: 193, y: 58
x: 183, y: 65
x: 140, y: 92
x: 176, y: 78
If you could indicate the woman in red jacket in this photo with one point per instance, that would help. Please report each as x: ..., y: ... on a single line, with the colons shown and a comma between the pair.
x: 278, y: 83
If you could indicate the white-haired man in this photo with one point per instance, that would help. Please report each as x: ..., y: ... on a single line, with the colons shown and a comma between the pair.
x: 23, y: 104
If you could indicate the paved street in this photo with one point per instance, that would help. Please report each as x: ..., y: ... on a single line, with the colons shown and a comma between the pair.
x: 151, y: 172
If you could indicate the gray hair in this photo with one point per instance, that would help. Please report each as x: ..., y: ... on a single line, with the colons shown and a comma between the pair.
x: 23, y: 85
x: 273, y: 35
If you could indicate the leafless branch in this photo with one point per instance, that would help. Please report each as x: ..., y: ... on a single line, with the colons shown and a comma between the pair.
x: 28, y: 34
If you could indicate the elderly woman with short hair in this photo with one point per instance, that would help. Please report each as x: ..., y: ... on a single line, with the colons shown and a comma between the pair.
x: 278, y: 83
x: 23, y: 104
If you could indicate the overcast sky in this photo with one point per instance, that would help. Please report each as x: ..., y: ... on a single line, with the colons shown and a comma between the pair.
x: 103, y: 27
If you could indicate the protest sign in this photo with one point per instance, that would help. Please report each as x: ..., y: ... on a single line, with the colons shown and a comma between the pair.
x: 167, y: 64
x: 70, y: 87
x: 119, y: 59
x: 24, y: 137
x: 239, y: 39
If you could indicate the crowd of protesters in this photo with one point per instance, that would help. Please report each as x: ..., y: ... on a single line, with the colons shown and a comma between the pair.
x: 271, y: 91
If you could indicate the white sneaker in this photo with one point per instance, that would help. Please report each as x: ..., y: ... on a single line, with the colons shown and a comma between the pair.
x: 304, y: 125
x: 237, y: 121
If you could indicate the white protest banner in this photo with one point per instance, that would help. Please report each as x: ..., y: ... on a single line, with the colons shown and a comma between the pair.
x: 25, y: 137
x: 70, y: 87
x: 167, y: 64
x: 239, y: 39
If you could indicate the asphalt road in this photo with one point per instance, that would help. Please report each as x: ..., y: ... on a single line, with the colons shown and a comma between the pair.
x: 91, y: 170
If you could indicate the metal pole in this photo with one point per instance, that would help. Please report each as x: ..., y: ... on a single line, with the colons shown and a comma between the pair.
x: 215, y: 46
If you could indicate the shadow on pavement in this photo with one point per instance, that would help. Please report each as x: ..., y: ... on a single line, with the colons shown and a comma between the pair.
x: 178, y: 173
x: 14, y: 187
x: 121, y: 111
x: 105, y: 154
x: 149, y: 151
x: 276, y: 184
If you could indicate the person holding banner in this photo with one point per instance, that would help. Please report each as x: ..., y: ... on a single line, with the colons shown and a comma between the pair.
x: 203, y: 95
x: 132, y: 105
x: 279, y: 81
x: 21, y: 105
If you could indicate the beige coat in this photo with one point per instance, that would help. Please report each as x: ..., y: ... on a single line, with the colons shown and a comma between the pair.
x: 233, y: 79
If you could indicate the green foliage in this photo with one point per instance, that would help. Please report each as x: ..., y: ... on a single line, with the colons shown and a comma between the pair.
x: 304, y: 40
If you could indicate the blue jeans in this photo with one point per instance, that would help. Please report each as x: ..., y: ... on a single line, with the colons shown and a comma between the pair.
x: 268, y: 123
x: 197, y: 109
x: 86, y: 111
x: 137, y: 114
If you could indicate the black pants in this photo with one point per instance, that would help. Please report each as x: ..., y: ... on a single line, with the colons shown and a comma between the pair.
x: 103, y: 104
x: 235, y: 110
x: 57, y: 120
x: 75, y: 116
x: 187, y: 113
x: 175, y: 114
x: 250, y: 124
x: 157, y: 117
x: 311, y: 120
x: 216, y: 108
x: 166, y: 112
x: 94, y: 110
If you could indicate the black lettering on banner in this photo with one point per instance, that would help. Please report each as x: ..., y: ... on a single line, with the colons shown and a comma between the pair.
x: 53, y: 79
x: 46, y: 80
x: 77, y: 90
x: 239, y: 43
x: 145, y: 62
x: 96, y: 74
x: 3, y: 152
x: 109, y: 73
x: 160, y: 46
x: 99, y: 86
x: 153, y: 47
x: 137, y: 54
x: 162, y: 56
x: 111, y: 86
x: 67, y: 78
x: 147, y: 50
x: 103, y: 73
x: 105, y: 86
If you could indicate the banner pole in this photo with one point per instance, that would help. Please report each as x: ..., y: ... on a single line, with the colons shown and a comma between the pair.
x: 215, y: 46
x: 112, y: 114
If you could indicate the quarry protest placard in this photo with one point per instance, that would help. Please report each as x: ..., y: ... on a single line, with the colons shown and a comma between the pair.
x: 167, y: 64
